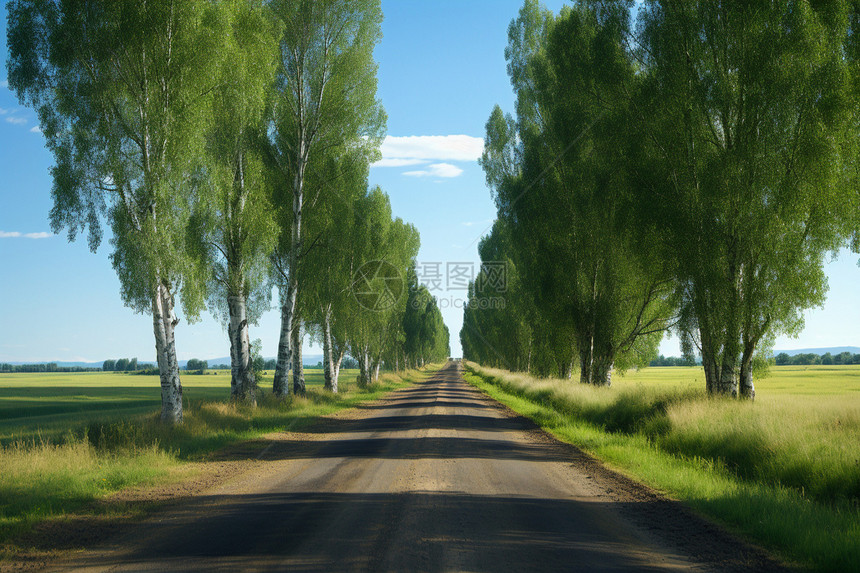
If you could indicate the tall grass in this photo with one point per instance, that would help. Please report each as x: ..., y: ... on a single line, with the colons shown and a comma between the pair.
x: 809, y: 444
x: 783, y: 469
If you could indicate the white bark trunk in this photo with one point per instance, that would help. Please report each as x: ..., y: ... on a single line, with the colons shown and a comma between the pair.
x: 363, y: 368
x: 336, y: 369
x: 328, y: 365
x: 586, y: 361
x: 242, y: 382
x: 376, y: 366
x: 281, y: 384
x: 298, y: 366
x: 164, y: 323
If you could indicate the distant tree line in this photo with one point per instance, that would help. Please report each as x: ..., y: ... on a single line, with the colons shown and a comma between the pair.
x: 228, y: 149
x: 807, y: 359
x: 45, y: 367
x: 684, y: 168
x: 123, y: 365
x: 673, y: 361
x: 195, y: 365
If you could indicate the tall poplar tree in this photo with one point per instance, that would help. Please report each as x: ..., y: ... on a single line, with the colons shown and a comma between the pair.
x: 751, y: 111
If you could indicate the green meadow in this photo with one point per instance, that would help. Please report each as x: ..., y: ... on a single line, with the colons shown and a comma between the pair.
x: 44, y: 406
x: 784, y: 469
x: 69, y: 440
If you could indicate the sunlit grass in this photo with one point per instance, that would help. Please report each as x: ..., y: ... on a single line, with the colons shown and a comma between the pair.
x: 37, y: 406
x: 783, y: 469
x: 62, y: 472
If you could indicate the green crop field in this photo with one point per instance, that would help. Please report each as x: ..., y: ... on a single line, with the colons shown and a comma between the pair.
x: 36, y: 406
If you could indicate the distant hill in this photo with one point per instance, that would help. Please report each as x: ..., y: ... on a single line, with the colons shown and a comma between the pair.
x: 821, y: 351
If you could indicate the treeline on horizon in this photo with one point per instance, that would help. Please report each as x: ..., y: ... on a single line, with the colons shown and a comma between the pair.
x: 781, y: 359
x: 672, y: 166
x: 227, y: 146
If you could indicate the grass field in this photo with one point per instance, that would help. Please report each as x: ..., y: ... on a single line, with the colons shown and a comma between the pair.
x: 40, y: 406
x: 784, y: 469
x: 71, y: 439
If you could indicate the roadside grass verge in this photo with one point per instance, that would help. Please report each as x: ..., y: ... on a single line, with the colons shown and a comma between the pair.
x: 783, y: 473
x: 65, y: 474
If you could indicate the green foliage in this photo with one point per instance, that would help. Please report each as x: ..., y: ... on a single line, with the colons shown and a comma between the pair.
x: 750, y: 112
x: 195, y: 365
x: 691, y: 173
x: 563, y: 182
x: 124, y: 128
x: 233, y: 231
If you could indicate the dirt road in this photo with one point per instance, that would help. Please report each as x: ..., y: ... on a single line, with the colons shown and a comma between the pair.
x: 435, y: 478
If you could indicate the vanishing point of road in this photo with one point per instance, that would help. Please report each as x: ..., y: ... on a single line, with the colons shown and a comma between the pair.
x: 435, y: 477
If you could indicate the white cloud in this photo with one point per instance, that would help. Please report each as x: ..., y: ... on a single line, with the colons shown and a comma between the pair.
x: 16, y: 234
x: 398, y: 162
x: 16, y: 120
x: 3, y: 111
x: 4, y: 83
x: 35, y: 129
x: 436, y: 170
x: 439, y: 147
x: 423, y: 149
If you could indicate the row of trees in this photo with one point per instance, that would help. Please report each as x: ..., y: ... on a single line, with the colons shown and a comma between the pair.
x: 44, y: 367
x: 227, y: 145
x: 673, y: 361
x: 122, y: 365
x: 686, y: 168
x: 809, y: 358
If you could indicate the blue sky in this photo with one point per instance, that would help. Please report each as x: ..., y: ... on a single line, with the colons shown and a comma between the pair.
x: 441, y: 70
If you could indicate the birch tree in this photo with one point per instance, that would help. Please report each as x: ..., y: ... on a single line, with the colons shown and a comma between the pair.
x: 121, y: 90
x: 326, y: 99
x: 328, y: 263
x: 233, y: 229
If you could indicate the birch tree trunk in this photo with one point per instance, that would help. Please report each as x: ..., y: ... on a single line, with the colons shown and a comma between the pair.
x: 298, y: 365
x: 602, y: 372
x: 281, y: 384
x: 376, y: 366
x: 363, y: 368
x: 328, y: 365
x: 242, y: 382
x: 709, y: 362
x: 336, y: 369
x: 164, y: 323
x: 747, y: 388
x: 586, y: 360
